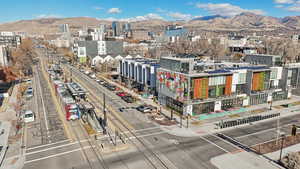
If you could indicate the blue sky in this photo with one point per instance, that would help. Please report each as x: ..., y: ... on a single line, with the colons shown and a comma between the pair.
x: 143, y: 9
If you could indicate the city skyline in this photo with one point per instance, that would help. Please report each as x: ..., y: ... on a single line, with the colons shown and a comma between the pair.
x: 120, y: 10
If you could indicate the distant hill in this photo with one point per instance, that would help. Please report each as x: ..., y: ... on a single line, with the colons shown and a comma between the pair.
x: 215, y: 22
x: 51, y: 25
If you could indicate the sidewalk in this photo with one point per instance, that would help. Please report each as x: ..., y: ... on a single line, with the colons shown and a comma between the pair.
x: 4, y: 133
x: 243, y: 160
x: 14, y: 158
x: 291, y: 149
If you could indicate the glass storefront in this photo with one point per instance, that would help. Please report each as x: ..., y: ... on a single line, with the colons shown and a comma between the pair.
x: 258, y: 99
x: 203, y: 108
x: 174, y: 104
x: 279, y: 96
x: 227, y: 104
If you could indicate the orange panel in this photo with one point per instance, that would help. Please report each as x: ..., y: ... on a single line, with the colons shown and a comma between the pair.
x: 228, y: 85
x: 196, y: 88
x: 255, y: 81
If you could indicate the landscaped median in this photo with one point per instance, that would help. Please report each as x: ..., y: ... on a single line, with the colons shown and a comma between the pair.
x: 275, y: 145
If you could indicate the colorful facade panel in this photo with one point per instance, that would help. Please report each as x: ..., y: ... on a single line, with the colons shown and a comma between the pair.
x: 258, y: 81
x: 175, y: 82
x: 200, y: 87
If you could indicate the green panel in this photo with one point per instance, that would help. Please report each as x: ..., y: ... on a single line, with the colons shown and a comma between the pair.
x: 217, y: 91
x: 82, y: 59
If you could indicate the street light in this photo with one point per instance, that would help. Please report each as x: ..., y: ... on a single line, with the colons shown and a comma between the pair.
x: 282, y: 135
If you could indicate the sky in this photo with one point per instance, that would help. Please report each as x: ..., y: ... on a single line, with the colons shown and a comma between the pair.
x: 132, y: 10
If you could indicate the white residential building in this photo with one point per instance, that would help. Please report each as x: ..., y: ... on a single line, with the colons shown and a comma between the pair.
x: 3, y: 55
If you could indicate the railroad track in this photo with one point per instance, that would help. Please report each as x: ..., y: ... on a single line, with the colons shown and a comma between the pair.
x: 50, y: 125
x: 123, y: 128
x: 38, y: 92
x: 92, y: 145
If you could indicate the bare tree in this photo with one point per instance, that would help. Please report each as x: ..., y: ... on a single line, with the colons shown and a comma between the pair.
x: 22, y: 57
x: 285, y: 47
x: 211, y: 48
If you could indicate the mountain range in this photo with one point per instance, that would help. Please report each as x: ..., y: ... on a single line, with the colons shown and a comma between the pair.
x: 244, y: 21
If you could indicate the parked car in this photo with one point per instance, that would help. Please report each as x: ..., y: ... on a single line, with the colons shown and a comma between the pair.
x: 105, y: 84
x: 87, y: 72
x: 28, y: 116
x: 128, y: 99
x: 121, y: 94
x: 93, y: 76
x: 144, y: 108
x: 29, y: 93
x: 28, y: 81
x: 111, y: 87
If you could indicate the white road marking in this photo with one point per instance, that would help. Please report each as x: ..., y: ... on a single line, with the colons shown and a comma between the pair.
x: 225, y: 141
x: 51, y: 148
x: 44, y: 145
x: 214, y: 144
x: 55, y: 155
x: 60, y: 146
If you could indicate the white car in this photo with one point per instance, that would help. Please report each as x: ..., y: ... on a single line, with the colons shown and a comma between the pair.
x: 28, y: 81
x: 93, y: 76
x: 28, y: 116
x: 87, y: 72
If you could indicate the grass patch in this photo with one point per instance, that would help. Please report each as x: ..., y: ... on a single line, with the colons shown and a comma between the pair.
x: 89, y: 129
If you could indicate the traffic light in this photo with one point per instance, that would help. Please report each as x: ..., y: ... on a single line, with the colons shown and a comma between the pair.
x: 294, y: 130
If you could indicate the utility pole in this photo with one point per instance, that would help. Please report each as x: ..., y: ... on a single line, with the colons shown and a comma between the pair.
x: 278, y: 129
x: 180, y: 120
x: 281, y: 147
x: 104, y: 111
x: 187, y: 121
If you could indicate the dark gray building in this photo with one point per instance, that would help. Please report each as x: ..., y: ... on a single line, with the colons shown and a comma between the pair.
x: 91, y: 48
x: 101, y: 48
x: 259, y: 59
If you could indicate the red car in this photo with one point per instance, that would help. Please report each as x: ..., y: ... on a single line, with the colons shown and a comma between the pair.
x: 121, y: 94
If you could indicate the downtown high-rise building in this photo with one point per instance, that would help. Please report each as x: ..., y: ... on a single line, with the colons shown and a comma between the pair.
x: 116, y: 28
x: 64, y: 28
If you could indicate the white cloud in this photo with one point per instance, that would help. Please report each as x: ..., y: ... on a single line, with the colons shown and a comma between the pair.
x: 180, y: 16
x: 135, y: 19
x: 284, y: 1
x: 226, y: 9
x: 114, y: 10
x: 48, y: 16
x: 288, y: 5
x: 294, y: 8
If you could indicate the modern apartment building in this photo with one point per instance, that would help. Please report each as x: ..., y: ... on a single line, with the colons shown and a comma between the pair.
x: 192, y: 86
x: 139, y: 73
x: 10, y: 39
